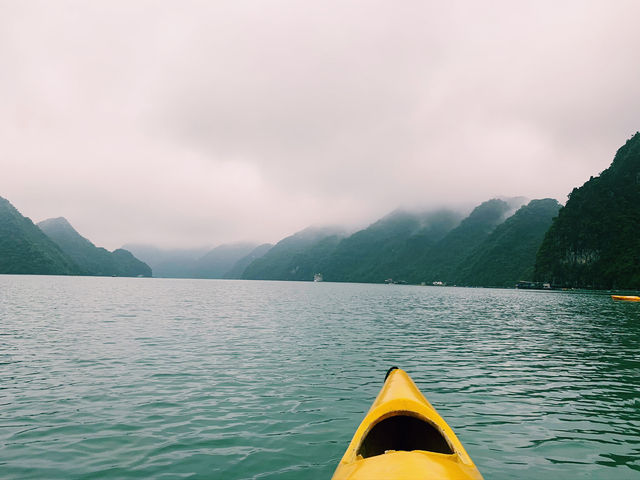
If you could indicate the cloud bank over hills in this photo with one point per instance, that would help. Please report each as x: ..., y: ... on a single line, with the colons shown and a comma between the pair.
x: 214, y: 122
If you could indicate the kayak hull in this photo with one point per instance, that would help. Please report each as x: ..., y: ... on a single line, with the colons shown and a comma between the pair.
x: 402, y: 437
x: 627, y: 298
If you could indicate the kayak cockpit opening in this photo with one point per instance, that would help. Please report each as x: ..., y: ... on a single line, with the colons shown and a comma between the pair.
x: 406, y: 432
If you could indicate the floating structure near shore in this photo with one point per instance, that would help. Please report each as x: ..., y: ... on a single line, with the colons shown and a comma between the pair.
x: 524, y: 285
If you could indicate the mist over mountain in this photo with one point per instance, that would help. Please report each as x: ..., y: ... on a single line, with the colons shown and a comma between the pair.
x: 591, y: 242
x: 240, y: 266
x: 218, y: 262
x: 594, y: 241
x: 25, y: 249
x: 411, y: 247
x: 92, y: 260
x: 383, y: 249
x: 508, y: 254
x: 223, y: 261
x: 442, y: 261
x: 168, y: 263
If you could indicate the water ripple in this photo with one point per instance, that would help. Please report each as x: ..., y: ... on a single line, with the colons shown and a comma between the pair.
x: 167, y: 379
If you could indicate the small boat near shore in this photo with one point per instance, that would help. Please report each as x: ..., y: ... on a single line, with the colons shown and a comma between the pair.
x: 627, y: 298
x: 402, y: 437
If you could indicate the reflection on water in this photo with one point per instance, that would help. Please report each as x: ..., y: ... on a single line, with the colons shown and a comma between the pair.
x: 153, y: 378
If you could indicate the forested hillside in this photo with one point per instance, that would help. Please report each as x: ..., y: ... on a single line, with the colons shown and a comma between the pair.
x: 384, y: 249
x: 92, y: 260
x: 490, y: 247
x: 297, y: 257
x: 508, y: 254
x: 442, y: 262
x: 25, y: 249
x: 595, y: 241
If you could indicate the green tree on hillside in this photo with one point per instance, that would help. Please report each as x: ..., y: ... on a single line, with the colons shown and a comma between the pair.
x: 594, y: 241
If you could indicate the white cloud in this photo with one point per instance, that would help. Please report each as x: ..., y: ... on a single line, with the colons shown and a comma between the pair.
x: 203, y: 122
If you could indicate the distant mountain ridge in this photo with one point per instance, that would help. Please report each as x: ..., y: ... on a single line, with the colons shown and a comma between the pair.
x: 419, y: 247
x: 219, y: 261
x: 591, y: 242
x: 92, y: 260
x: 167, y: 263
x: 442, y: 261
x: 224, y: 261
x: 383, y: 249
x: 413, y: 247
x: 508, y: 254
x: 297, y: 257
x: 241, y: 265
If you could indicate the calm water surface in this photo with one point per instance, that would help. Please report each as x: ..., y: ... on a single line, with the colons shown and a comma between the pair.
x: 150, y: 378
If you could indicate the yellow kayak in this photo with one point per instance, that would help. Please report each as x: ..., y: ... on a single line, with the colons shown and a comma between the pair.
x: 402, y: 437
x: 628, y: 298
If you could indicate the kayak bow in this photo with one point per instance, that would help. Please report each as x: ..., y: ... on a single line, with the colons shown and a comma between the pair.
x: 402, y: 437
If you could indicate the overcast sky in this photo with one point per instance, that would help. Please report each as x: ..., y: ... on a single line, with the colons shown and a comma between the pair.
x: 184, y: 123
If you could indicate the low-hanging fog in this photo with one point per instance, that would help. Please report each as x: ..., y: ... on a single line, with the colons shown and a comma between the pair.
x: 203, y: 122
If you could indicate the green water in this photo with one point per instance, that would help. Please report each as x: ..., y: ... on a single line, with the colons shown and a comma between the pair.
x: 150, y: 378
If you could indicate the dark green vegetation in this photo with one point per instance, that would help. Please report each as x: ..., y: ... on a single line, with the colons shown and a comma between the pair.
x: 385, y: 249
x: 488, y: 248
x: 443, y: 261
x: 92, y: 260
x: 595, y: 241
x: 24, y: 248
x: 296, y: 257
x: 508, y: 253
x: 53, y: 247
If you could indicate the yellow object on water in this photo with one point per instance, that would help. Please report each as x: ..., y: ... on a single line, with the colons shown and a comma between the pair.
x: 402, y: 437
x: 628, y: 298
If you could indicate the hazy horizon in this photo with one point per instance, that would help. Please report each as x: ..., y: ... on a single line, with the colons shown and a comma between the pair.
x: 198, y: 124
